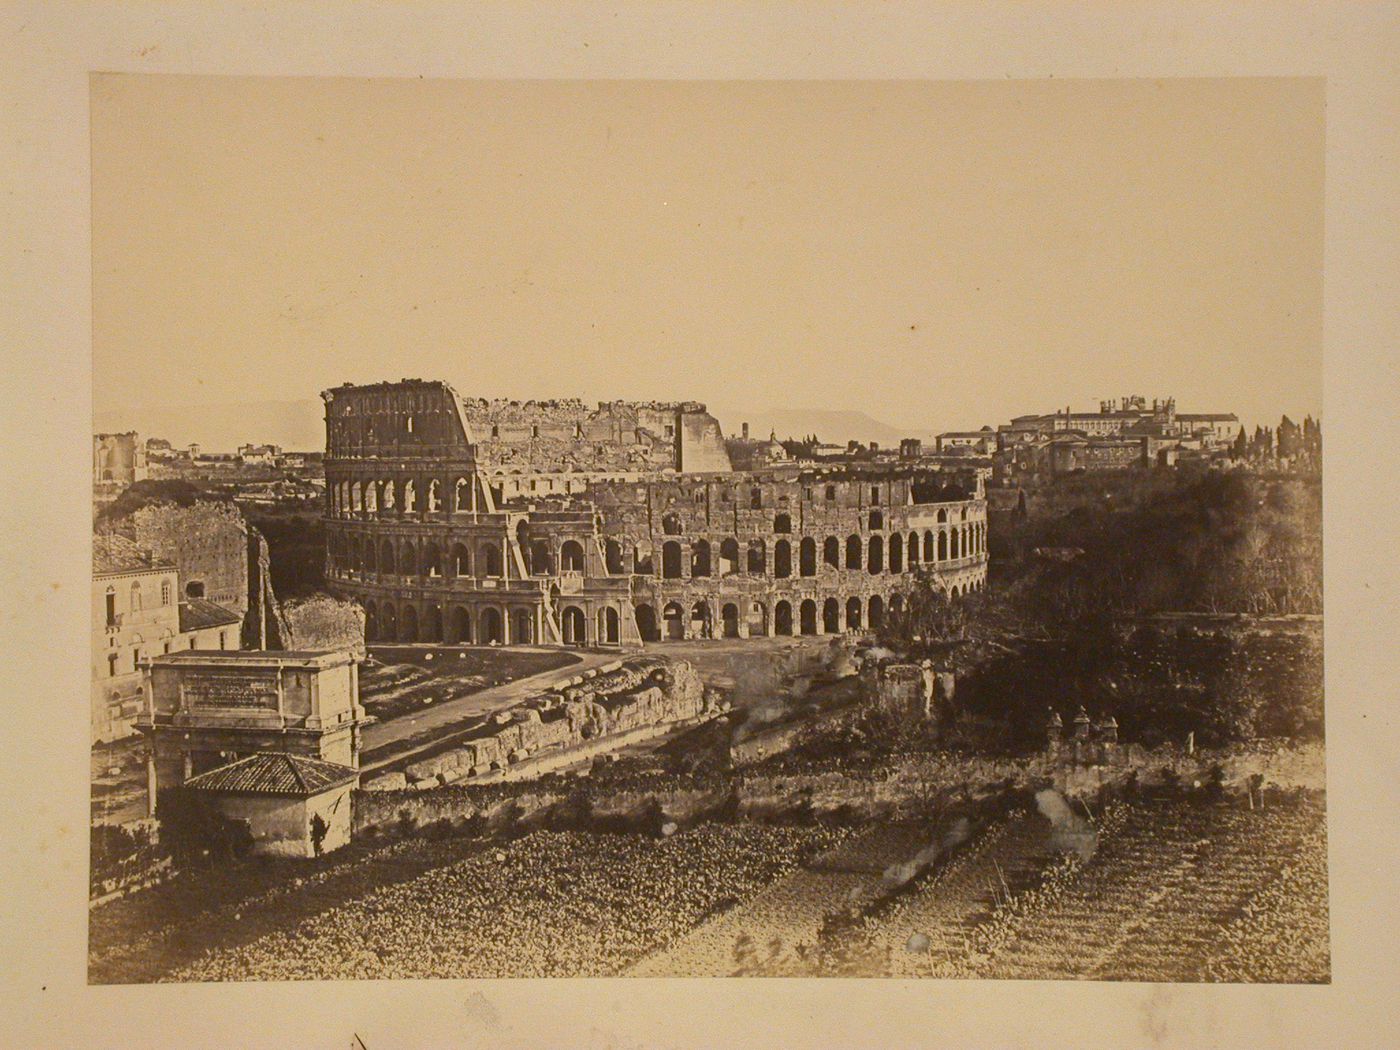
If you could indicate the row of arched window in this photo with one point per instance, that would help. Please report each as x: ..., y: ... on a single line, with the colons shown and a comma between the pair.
x: 672, y: 524
x: 409, y: 496
x: 389, y: 621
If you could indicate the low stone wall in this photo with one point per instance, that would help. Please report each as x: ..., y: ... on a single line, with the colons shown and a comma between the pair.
x: 602, y: 703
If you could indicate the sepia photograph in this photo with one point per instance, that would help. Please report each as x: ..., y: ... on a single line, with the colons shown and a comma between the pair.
x: 713, y: 528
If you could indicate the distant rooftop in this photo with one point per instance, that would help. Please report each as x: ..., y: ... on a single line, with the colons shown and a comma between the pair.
x: 197, y: 614
x: 275, y: 774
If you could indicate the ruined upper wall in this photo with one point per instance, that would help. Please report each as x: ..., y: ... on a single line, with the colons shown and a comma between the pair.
x: 421, y: 419
x: 409, y: 419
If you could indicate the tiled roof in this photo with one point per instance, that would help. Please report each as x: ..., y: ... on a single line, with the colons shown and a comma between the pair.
x: 115, y: 553
x: 274, y: 774
x: 196, y: 614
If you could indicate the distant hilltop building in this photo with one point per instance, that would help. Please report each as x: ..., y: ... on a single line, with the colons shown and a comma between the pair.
x: 505, y: 522
x: 118, y: 459
x: 1122, y: 434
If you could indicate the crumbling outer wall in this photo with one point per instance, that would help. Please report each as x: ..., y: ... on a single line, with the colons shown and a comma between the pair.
x: 207, y: 543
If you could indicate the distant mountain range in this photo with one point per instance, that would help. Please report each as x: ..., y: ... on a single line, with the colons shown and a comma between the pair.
x: 300, y: 425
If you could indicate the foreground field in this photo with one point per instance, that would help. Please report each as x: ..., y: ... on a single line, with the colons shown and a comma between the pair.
x: 551, y: 904
x: 1174, y: 891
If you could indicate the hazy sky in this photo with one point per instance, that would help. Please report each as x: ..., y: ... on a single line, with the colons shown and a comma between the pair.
x: 936, y: 254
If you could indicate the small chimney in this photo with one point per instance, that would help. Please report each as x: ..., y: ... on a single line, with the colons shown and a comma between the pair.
x: 744, y: 430
x: 1108, y: 730
x: 1053, y: 728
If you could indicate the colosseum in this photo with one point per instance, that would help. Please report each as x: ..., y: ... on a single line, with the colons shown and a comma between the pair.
x: 505, y: 522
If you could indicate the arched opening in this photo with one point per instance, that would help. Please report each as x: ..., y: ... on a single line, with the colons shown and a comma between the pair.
x: 729, y: 557
x: 782, y: 560
x: 522, y: 627
x: 730, y: 617
x: 571, y: 556
x: 671, y: 560
x: 194, y: 589
x: 432, y: 624
x: 807, y: 616
x: 388, y: 623
x: 356, y: 499
x: 877, y: 612
x: 490, y: 560
x: 372, y: 497
x: 673, y: 617
x: 461, y: 626
x: 700, y: 620
x: 491, y: 633
x: 853, y: 614
x: 807, y: 557
x: 609, y: 626
x: 853, y: 552
x: 461, y: 560
x: 782, y: 523
x: 942, y: 546
x: 877, y: 555
x: 612, y: 557
x: 410, y: 496
x: 758, y: 558
x: 573, y: 625
x: 408, y: 627
x: 434, y: 497
x: 390, y: 489
x: 646, y: 623
x: 954, y: 546
x: 831, y: 616
x: 461, y: 495
x: 831, y: 552
x: 700, y: 558
x: 928, y: 546
x: 386, y: 558
x: 671, y: 524
x: 430, y: 561
x: 371, y: 622
x: 782, y: 618
x: 758, y: 620
x: 877, y: 520
x: 942, y: 515
x: 913, y: 550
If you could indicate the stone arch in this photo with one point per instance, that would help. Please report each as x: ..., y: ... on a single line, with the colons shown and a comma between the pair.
x: 646, y: 623
x: 388, y: 622
x: 854, y: 554
x: 408, y: 624
x: 782, y: 562
x: 432, y: 624
x: 386, y: 559
x: 876, y: 618
x: 831, y: 616
x: 942, y: 546
x: 758, y: 620
x: 490, y: 560
x: 853, y: 612
x: 371, y: 621
x: 390, y: 490
x: 782, y: 523
x: 460, y: 625
x: 876, y: 560
x: 460, y: 560
x: 492, y: 626
x: 700, y: 620
x: 782, y: 618
x: 434, y: 500
x: 410, y: 496
x: 807, y: 617
x: 729, y: 556
x: 928, y: 545
x: 571, y: 556
x: 942, y: 515
x: 430, y: 560
x: 758, y: 558
x: 572, y: 625
x: 522, y: 626
x: 807, y: 557
x: 671, y: 560
x: 700, y: 558
x: 372, y: 497
x: 831, y: 552
x: 612, y: 558
x: 461, y: 495
x: 673, y: 618
x: 896, y: 553
x: 609, y: 626
x: 356, y: 498
x: 729, y: 617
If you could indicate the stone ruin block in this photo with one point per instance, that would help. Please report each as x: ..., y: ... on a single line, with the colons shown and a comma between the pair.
x: 387, y: 782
